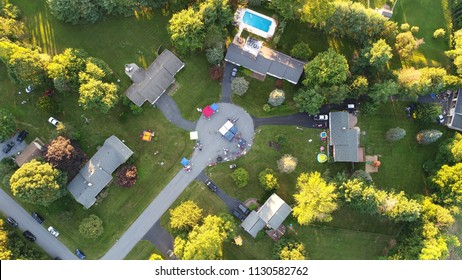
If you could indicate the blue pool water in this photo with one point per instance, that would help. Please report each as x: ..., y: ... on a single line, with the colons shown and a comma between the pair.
x: 256, y: 21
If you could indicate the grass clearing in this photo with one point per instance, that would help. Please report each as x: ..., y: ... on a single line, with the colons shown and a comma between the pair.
x: 142, y: 251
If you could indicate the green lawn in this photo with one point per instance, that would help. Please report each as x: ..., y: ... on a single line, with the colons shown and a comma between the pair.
x: 142, y: 251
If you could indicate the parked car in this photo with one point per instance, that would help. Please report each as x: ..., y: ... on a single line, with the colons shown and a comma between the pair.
x: 37, y: 217
x: 12, y: 222
x: 80, y: 254
x: 211, y: 185
x: 22, y: 135
x: 8, y: 147
x: 441, y: 119
x: 321, y: 117
x: 244, y: 209
x: 238, y: 215
x: 53, y: 121
x: 53, y: 231
x: 232, y: 166
x: 233, y: 74
x: 29, y: 236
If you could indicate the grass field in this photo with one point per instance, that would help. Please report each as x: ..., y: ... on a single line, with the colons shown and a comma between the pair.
x: 142, y: 251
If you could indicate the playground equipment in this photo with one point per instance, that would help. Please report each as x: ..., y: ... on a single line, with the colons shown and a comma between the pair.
x: 322, y: 158
x: 186, y: 164
x: 147, y: 135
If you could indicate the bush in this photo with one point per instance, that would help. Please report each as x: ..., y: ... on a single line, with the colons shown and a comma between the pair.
x: 427, y: 112
x: 395, y: 134
x: 91, y: 227
x: 439, y: 33
x: 276, y: 97
x: 415, y: 29
x: 214, y: 56
x: 48, y: 104
x: 268, y: 179
x: 240, y: 177
x: 405, y: 27
x: 287, y: 163
x: 425, y: 137
x: 239, y: 86
x: 216, y: 73
x: 126, y: 177
x: 266, y: 108
x: 301, y: 51
x: 135, y: 109
x: 361, y: 175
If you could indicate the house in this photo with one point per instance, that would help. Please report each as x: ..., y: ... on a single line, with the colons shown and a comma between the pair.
x: 344, y: 137
x: 97, y: 172
x: 455, y: 111
x: 251, y: 54
x: 32, y: 151
x: 150, y: 84
x: 271, y: 214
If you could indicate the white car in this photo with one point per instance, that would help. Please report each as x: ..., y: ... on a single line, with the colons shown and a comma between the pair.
x: 53, y: 121
x: 441, y: 119
x: 321, y: 117
x: 53, y: 231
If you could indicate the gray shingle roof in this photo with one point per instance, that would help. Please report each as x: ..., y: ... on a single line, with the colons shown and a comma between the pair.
x: 253, y: 224
x: 267, y: 62
x: 150, y: 84
x: 32, y: 151
x: 345, y: 140
x: 97, y: 172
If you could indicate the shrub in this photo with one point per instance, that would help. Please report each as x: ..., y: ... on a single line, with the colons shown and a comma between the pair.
x: 301, y: 51
x: 427, y: 112
x: 240, y: 177
x: 135, y: 109
x: 405, y: 27
x: 276, y: 97
x: 214, y: 55
x: 268, y: 179
x: 126, y: 177
x: 48, y: 104
x: 439, y: 33
x: 415, y: 29
x: 361, y: 175
x: 395, y: 134
x: 266, y: 108
x: 425, y: 137
x: 287, y: 163
x: 91, y: 227
x: 239, y: 86
x: 216, y: 73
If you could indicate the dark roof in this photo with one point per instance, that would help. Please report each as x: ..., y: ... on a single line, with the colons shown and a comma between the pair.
x: 343, y: 138
x: 32, y: 151
x: 456, y: 122
x: 150, y: 84
x: 267, y: 62
x: 97, y: 172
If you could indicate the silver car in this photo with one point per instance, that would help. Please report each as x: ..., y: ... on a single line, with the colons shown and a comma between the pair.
x: 53, y: 231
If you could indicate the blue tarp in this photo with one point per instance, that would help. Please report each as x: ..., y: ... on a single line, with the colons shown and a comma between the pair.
x: 214, y: 107
x: 185, y: 162
x: 229, y: 135
x: 233, y: 130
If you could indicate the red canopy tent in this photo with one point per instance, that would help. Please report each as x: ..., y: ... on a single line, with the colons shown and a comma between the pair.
x: 207, y: 111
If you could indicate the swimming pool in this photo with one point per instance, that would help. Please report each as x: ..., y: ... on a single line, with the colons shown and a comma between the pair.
x: 256, y: 21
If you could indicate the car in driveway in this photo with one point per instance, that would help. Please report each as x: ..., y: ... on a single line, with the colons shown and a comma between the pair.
x: 37, y: 217
x: 29, y: 236
x: 12, y: 222
x: 238, y: 215
x: 233, y: 74
x: 244, y: 209
x: 53, y: 121
x: 8, y: 147
x: 441, y: 119
x: 321, y: 117
x: 21, y: 136
x: 53, y: 231
x: 211, y: 185
x: 80, y: 254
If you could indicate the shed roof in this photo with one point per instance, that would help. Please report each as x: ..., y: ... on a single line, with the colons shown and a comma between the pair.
x: 32, y: 151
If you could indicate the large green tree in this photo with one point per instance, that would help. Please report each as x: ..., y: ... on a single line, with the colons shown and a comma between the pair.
x: 187, y: 30
x: 449, y: 184
x: 38, y: 183
x: 379, y: 53
x: 317, y: 11
x: 456, y: 53
x: 315, y: 199
x: 7, y: 124
x: 309, y: 100
x: 405, y: 44
x: 288, y: 9
x: 96, y: 94
x: 381, y: 92
x: 76, y: 11
x: 185, y: 216
x: 65, y: 67
x: 292, y: 251
x: 328, y: 68
x: 5, y: 252
x: 91, y: 227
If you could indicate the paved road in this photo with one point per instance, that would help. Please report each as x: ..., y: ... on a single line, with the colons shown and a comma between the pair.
x: 48, y: 242
x: 170, y: 110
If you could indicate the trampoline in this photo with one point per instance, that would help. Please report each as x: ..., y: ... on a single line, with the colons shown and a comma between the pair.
x: 322, y: 158
x: 323, y: 135
x: 147, y: 135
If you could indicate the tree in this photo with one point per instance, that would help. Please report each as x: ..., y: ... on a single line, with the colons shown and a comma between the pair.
x: 425, y: 137
x: 268, y: 179
x: 155, y: 257
x: 439, y: 33
x: 276, y: 97
x: 67, y: 130
x: 397, y: 206
x: 315, y: 199
x: 395, y: 134
x: 64, y: 155
x: 65, y: 67
x: 405, y: 44
x: 287, y: 163
x: 126, y: 177
x: 240, y: 177
x: 292, y: 251
x: 204, y: 242
x: 358, y: 87
x: 456, y: 147
x: 427, y: 112
x: 91, y: 227
x: 76, y: 11
x: 95, y: 94
x: 309, y: 100
x: 185, y: 216
x: 48, y: 104
x: 362, y: 175
x: 287, y: 9
x: 380, y: 53
x: 38, y: 183
x: 405, y: 27
x: 301, y: 51
x: 239, y: 86
x: 449, y: 184
x: 326, y: 69
x: 381, y: 92
x: 415, y: 29
x: 317, y: 12
x: 214, y: 56
x: 11, y: 28
x: 7, y: 124
x: 5, y: 252
x: 187, y: 30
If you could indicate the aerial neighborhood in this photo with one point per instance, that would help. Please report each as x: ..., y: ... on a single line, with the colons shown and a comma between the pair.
x: 230, y: 130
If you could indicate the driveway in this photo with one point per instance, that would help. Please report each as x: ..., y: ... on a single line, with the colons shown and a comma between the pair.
x: 226, y: 83
x: 231, y: 202
x: 17, y: 149
x: 298, y: 119
x: 170, y: 110
x: 160, y: 238
x: 48, y: 242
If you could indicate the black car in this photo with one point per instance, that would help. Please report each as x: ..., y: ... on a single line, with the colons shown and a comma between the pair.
x: 238, y: 215
x: 21, y: 136
x: 12, y: 222
x: 80, y: 254
x: 27, y: 234
x: 37, y: 217
x: 244, y: 209
x: 211, y: 186
x: 8, y: 147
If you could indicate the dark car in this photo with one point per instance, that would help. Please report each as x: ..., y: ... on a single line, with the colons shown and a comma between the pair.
x: 244, y: 209
x: 238, y: 215
x: 8, y: 147
x: 211, y: 186
x: 233, y: 74
x: 27, y: 234
x: 22, y: 135
x: 37, y: 217
x: 12, y: 222
x: 80, y: 254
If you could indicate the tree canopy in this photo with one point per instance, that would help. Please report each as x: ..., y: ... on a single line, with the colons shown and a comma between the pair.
x: 91, y: 227
x: 64, y: 155
x: 449, y: 184
x: 326, y: 69
x: 185, y: 216
x: 7, y: 124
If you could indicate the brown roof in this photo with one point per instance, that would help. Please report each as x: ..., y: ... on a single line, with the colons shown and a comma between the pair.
x: 32, y: 151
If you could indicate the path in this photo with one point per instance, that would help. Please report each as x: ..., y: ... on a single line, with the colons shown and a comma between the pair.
x: 170, y: 110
